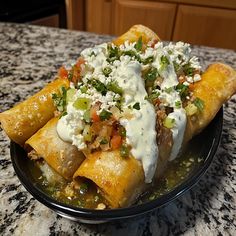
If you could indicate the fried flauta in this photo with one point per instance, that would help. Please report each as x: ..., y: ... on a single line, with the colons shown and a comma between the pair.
x: 63, y: 157
x: 119, y: 179
x: 27, y: 117
x: 217, y: 85
x: 136, y: 32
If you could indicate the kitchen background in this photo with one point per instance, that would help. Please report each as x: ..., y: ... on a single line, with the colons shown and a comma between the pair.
x: 201, y: 22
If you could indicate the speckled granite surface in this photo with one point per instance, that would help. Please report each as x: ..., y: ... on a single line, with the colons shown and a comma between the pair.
x: 30, y: 57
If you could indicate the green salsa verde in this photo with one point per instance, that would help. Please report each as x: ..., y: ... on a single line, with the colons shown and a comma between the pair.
x: 86, y: 194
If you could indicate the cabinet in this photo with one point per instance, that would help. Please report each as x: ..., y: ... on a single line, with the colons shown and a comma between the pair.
x: 202, y: 22
x: 158, y: 16
x: 206, y: 26
x: 98, y: 16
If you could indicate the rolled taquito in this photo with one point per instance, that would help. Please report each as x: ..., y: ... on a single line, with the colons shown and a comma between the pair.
x: 63, y: 157
x: 217, y: 85
x: 136, y: 32
x: 24, y: 119
x: 120, y: 179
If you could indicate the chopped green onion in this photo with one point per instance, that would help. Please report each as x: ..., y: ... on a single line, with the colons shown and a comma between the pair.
x: 82, y: 103
x: 105, y: 115
x: 83, y: 89
x: 69, y: 95
x: 139, y: 45
x: 199, y: 103
x: 191, y: 109
x: 106, y: 71
x: 114, y: 87
x: 164, y: 62
x: 169, y: 122
x: 124, y: 150
x: 99, y: 86
x: 86, y: 116
x: 178, y: 104
x: 136, y: 106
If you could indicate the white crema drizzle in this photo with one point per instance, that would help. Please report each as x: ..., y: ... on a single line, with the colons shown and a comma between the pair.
x: 141, y: 125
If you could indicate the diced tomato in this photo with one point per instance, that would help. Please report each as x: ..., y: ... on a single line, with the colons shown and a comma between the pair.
x: 116, y: 141
x: 191, y: 87
x: 63, y: 73
x: 93, y: 114
x: 80, y: 62
x: 154, y: 42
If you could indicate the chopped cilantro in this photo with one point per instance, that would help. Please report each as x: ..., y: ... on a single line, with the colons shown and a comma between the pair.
x: 178, y: 104
x: 136, y: 106
x: 99, y: 86
x: 113, y: 53
x: 183, y: 90
x: 132, y: 54
x: 105, y: 115
x: 139, y: 45
x: 153, y: 96
x: 188, y: 70
x: 106, y: 71
x: 199, y: 103
x: 151, y: 74
x: 92, y: 54
x: 60, y: 99
x: 148, y: 60
x: 63, y: 114
x: 176, y: 66
x: 119, y: 102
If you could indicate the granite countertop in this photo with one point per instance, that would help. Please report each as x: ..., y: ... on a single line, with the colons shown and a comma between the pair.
x: 30, y: 57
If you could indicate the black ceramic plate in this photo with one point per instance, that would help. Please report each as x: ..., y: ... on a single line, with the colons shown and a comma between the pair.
x: 205, y: 146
